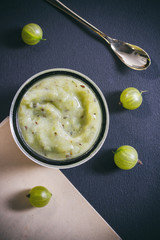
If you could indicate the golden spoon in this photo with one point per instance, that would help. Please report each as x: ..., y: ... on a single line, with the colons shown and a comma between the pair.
x: 132, y: 56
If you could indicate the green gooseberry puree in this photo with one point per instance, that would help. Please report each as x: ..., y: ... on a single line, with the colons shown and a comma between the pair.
x: 39, y: 196
x: 131, y: 98
x: 32, y: 34
x: 59, y: 117
x: 126, y: 157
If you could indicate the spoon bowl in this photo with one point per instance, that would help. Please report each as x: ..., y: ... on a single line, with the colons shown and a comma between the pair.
x: 131, y: 55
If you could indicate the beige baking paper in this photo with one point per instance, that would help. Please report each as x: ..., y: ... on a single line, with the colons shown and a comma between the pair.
x: 68, y: 216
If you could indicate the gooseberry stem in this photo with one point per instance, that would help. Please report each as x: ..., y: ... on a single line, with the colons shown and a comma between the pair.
x: 139, y: 162
x: 143, y: 91
x: 116, y: 151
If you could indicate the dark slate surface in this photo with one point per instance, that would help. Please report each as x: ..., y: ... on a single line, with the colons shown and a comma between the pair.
x: 128, y: 200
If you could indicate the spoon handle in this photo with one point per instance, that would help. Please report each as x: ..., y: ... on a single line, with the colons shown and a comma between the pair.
x: 64, y: 8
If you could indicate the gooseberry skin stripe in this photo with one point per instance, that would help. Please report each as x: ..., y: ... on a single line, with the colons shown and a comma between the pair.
x: 126, y: 157
x: 131, y: 98
x: 32, y: 34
